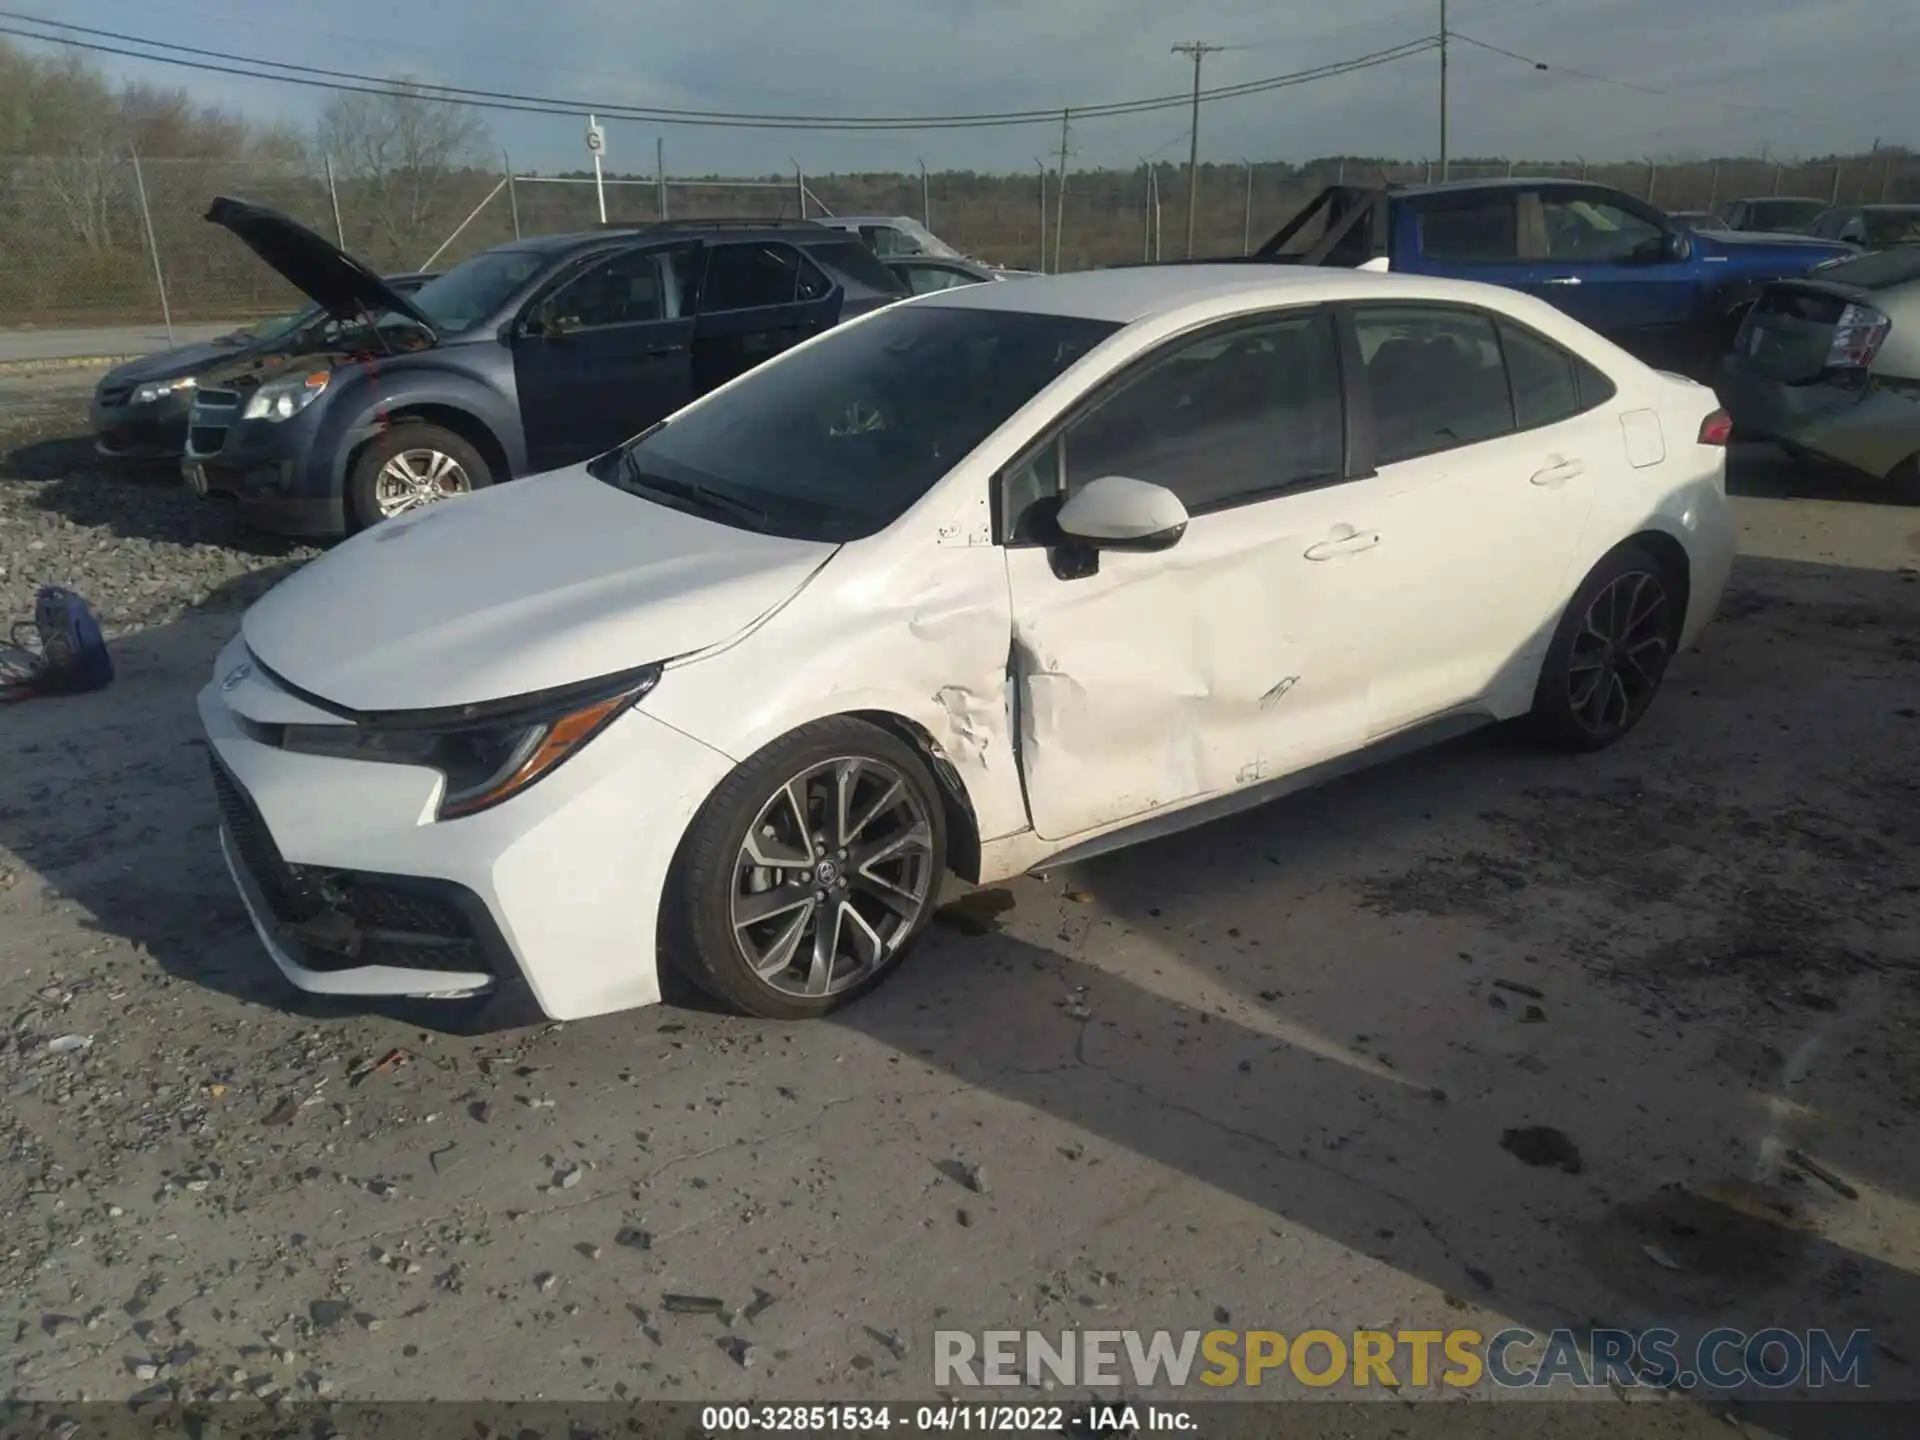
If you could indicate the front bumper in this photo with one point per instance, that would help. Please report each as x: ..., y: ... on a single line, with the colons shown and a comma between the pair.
x: 157, y: 431
x: 268, y: 468
x: 546, y: 905
x: 1870, y: 430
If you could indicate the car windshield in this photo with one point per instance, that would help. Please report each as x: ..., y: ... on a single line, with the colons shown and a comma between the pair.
x: 836, y: 442
x: 475, y: 289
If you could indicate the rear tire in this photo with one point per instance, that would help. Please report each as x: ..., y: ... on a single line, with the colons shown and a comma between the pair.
x: 1608, y: 654
x: 809, y: 873
x: 412, y: 465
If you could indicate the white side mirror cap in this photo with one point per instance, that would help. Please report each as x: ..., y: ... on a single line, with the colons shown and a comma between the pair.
x: 1119, y: 513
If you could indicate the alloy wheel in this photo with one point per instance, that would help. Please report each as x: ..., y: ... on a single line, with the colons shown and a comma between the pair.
x: 413, y: 478
x: 832, y: 876
x: 1620, y: 653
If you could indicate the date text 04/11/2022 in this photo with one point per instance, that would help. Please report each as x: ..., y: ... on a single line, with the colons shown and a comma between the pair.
x: 945, y: 1419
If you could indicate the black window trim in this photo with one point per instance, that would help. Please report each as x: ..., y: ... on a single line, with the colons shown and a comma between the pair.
x: 1356, y: 429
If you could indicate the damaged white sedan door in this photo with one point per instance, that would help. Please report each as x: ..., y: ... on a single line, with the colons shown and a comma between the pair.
x: 1155, y: 671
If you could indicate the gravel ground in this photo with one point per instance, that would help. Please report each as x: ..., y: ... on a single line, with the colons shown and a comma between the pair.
x: 133, y: 540
x: 1482, y: 1037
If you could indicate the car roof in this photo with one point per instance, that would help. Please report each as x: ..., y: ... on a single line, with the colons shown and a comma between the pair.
x: 797, y: 233
x: 1778, y: 200
x: 1498, y: 182
x: 1132, y: 293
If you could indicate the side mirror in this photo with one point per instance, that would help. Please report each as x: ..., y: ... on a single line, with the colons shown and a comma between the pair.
x: 1675, y: 245
x: 1117, y: 513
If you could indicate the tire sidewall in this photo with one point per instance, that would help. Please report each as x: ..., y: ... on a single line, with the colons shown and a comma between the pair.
x: 407, y: 435
x: 702, y: 882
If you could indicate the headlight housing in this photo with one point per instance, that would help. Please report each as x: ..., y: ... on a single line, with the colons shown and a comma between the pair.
x: 488, y: 753
x: 159, y: 389
x: 286, y: 397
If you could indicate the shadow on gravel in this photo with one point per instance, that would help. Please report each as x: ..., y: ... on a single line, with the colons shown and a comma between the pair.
x: 137, y: 499
x: 1765, y: 471
x: 1745, y: 859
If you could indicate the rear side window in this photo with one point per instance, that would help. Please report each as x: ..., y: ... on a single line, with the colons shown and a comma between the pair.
x: 749, y: 277
x: 856, y: 262
x: 1546, y: 384
x: 1482, y: 231
x: 1437, y: 378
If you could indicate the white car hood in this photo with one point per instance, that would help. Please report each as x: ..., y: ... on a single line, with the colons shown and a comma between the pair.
x: 520, y: 588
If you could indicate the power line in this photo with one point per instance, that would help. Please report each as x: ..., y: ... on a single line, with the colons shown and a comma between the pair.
x: 317, y: 77
x: 1621, y: 84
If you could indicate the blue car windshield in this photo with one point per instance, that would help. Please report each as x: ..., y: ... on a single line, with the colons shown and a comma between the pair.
x: 475, y: 289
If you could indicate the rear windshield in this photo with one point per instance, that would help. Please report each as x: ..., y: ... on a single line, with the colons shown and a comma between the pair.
x: 1893, y: 227
x: 837, y: 441
x: 1880, y: 271
x: 475, y: 289
x: 1772, y: 214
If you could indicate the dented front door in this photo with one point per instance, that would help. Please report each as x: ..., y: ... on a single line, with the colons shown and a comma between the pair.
x: 1165, y: 678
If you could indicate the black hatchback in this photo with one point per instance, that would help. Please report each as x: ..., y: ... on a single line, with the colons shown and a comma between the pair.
x: 528, y: 357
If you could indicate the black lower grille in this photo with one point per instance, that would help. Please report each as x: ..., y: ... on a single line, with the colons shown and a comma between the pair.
x: 207, y: 439
x: 397, y: 922
x: 292, y: 899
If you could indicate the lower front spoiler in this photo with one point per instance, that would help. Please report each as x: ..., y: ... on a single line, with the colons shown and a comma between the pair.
x: 450, y: 1002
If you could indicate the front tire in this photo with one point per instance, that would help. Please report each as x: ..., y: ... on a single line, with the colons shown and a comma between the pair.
x: 809, y: 873
x: 1609, y: 653
x: 412, y: 465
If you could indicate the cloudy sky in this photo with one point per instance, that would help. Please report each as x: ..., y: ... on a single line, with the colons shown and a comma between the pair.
x: 1792, y: 77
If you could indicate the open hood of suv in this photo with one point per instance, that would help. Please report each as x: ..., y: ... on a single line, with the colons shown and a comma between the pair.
x: 337, y: 282
x: 520, y: 588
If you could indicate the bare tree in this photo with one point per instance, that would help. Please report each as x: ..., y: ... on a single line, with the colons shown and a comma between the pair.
x: 406, y: 153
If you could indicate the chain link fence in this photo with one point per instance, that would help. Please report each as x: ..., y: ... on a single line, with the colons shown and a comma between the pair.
x: 107, y: 239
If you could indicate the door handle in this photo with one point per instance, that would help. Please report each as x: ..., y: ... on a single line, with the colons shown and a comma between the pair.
x: 1344, y: 541
x: 1561, y: 280
x: 1558, y: 472
x: 658, y: 350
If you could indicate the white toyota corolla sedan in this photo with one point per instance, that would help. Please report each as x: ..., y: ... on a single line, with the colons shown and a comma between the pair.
x: 1004, y: 575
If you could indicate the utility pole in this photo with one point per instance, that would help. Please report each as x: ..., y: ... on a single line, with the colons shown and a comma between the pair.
x: 1199, y: 50
x: 1443, y: 89
x: 1060, y: 199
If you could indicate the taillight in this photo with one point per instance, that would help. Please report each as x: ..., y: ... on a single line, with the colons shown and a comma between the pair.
x: 1857, y: 337
x: 1716, y: 429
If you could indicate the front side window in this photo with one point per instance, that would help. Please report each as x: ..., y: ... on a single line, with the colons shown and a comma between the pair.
x: 1436, y: 377
x: 631, y: 288
x: 749, y: 277
x: 1483, y: 231
x: 836, y: 442
x: 1224, y: 418
x: 1596, y: 232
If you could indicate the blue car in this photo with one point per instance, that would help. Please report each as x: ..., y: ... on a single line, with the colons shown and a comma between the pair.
x: 1673, y: 295
x: 527, y: 357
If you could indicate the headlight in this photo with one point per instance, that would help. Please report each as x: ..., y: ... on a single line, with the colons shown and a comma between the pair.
x: 486, y: 752
x: 160, y: 389
x: 286, y: 397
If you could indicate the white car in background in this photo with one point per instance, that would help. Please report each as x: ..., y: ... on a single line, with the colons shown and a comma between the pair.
x: 1003, y: 575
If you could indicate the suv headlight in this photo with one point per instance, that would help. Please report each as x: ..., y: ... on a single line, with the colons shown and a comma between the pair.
x: 159, y: 389
x: 286, y: 397
x: 489, y: 752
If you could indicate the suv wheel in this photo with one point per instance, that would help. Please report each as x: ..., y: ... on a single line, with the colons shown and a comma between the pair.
x: 411, y: 465
x: 809, y: 873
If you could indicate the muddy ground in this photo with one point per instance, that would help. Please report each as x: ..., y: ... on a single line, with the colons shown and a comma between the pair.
x: 1482, y: 1037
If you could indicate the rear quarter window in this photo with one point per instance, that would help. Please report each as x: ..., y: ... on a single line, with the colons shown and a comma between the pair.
x: 855, y: 261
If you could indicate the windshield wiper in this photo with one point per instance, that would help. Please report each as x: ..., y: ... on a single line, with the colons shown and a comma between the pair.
x: 701, y: 496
